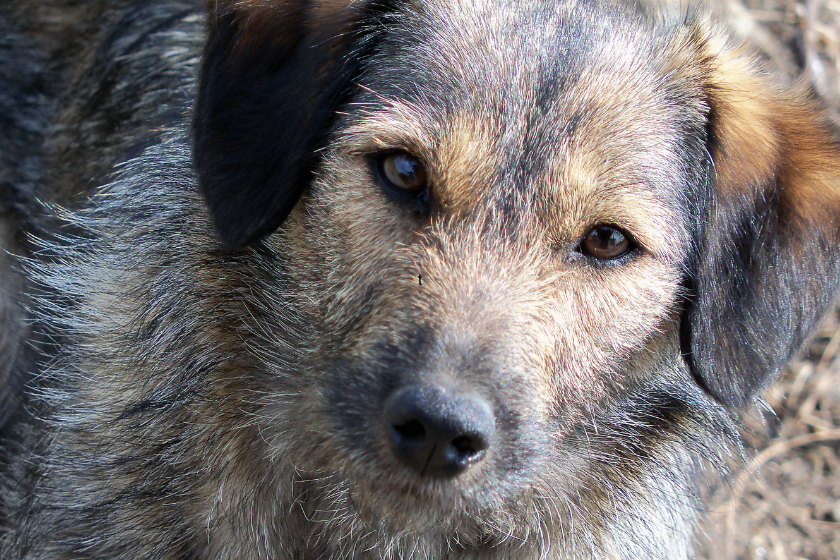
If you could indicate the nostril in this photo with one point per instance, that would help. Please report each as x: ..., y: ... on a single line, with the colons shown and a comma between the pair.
x: 469, y: 447
x: 436, y: 431
x: 412, y: 430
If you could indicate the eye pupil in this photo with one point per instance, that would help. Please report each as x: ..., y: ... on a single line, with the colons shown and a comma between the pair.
x: 605, y: 242
x: 404, y: 172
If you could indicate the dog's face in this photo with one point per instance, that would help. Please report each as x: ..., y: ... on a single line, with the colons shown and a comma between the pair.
x: 520, y: 243
x: 519, y: 226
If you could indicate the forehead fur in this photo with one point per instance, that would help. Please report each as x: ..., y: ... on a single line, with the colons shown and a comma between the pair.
x: 572, y: 109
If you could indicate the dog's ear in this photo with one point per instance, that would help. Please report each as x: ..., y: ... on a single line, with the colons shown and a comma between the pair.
x: 766, y: 265
x: 273, y: 74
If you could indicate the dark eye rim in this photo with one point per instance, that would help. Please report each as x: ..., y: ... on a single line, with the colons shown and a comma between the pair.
x: 633, y: 249
x: 376, y: 161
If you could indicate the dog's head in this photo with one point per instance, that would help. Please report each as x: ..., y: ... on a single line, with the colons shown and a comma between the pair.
x: 762, y: 263
x: 524, y: 211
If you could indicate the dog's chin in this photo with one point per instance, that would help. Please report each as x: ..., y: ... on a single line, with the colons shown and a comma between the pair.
x: 401, y: 506
x: 480, y: 507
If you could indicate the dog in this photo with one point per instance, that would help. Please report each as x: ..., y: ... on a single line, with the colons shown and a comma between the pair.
x: 392, y: 278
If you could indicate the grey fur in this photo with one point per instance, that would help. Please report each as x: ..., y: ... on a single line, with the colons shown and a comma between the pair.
x: 201, y: 401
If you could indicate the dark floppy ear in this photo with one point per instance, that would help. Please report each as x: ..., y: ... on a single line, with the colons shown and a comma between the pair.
x: 767, y: 260
x: 273, y: 74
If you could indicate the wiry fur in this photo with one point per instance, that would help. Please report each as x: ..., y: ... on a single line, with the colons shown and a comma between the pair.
x: 214, y: 387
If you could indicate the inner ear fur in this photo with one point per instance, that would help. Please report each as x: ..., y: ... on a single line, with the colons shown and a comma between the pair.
x: 766, y: 268
x: 273, y: 74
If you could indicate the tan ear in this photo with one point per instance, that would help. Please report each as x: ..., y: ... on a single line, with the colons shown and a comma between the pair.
x: 273, y: 75
x: 767, y: 261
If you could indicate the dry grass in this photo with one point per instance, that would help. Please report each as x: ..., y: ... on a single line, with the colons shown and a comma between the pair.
x: 785, y: 504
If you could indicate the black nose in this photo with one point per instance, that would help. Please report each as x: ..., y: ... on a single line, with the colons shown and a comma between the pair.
x: 436, y: 431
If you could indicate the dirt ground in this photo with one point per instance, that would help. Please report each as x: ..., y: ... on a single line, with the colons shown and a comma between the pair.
x: 785, y: 505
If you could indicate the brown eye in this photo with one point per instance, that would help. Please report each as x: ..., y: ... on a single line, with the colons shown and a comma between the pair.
x: 403, y: 172
x: 605, y: 242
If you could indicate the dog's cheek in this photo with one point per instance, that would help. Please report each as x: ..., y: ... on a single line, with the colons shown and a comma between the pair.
x: 605, y: 317
x: 359, y: 248
x: 349, y: 250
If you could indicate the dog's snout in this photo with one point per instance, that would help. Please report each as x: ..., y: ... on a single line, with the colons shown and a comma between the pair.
x: 437, y: 431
